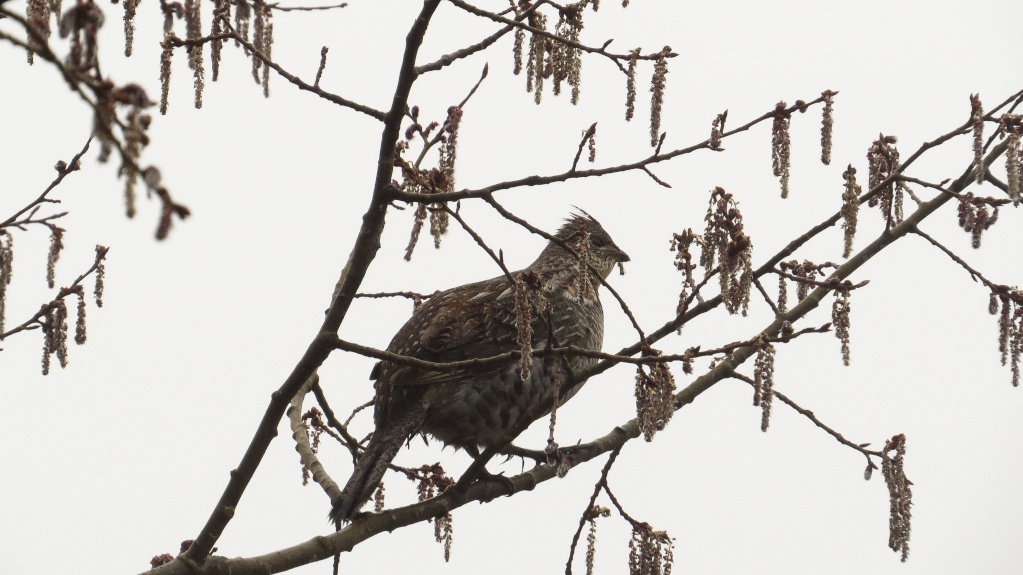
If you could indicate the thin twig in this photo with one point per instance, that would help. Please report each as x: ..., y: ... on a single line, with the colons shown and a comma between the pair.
x: 589, y: 133
x: 617, y: 59
x: 601, y: 483
x: 861, y: 447
x: 568, y: 350
x: 440, y: 135
x: 479, y: 241
x: 989, y: 177
x: 182, y: 42
x: 301, y: 84
x: 321, y: 67
x: 35, y: 322
x: 655, y: 178
x: 621, y: 510
x: 976, y: 275
x: 406, y: 294
x: 535, y: 230
x: 277, y: 6
x: 342, y: 428
x: 62, y: 172
x: 448, y: 59
x: 483, y: 76
x: 767, y: 298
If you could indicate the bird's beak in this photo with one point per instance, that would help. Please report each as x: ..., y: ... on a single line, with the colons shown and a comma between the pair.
x: 621, y: 256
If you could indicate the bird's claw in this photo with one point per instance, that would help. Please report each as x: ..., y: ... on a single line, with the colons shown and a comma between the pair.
x: 488, y: 477
x: 538, y: 457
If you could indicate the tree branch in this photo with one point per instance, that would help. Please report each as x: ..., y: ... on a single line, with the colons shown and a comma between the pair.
x: 35, y: 321
x: 448, y: 59
x: 616, y: 58
x: 373, y: 524
x: 366, y: 246
x: 657, y: 157
x: 63, y: 170
x: 301, y: 84
x: 860, y: 447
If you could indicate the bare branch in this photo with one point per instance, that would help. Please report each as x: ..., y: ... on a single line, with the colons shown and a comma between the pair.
x: 860, y: 447
x: 277, y: 6
x: 366, y: 246
x: 601, y: 483
x: 448, y: 59
x: 63, y: 170
x: 616, y: 58
x: 301, y: 84
x: 587, y: 136
x: 976, y: 275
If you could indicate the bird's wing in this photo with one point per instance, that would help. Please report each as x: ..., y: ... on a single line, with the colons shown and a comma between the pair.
x: 468, y: 322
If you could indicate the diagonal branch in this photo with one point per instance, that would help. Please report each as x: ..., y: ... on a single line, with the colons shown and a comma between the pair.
x: 62, y: 172
x: 301, y: 84
x: 600, y: 485
x: 448, y: 59
x: 370, y: 525
x: 976, y: 275
x: 616, y: 58
x: 35, y: 321
x: 815, y: 420
x: 366, y: 246
x: 300, y: 434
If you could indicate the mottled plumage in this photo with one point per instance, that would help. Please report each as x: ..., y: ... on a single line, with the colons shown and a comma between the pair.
x: 478, y: 408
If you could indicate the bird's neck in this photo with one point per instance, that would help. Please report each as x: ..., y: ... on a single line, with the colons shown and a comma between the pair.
x: 564, y: 279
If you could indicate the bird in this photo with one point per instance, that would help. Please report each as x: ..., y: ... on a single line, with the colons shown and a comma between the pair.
x: 479, y: 407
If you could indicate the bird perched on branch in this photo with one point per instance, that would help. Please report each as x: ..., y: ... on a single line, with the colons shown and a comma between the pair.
x: 552, y: 303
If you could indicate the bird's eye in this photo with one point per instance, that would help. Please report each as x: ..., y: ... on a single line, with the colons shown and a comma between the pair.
x: 598, y: 241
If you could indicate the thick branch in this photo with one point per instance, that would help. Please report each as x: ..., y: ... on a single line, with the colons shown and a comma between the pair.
x: 300, y: 433
x: 368, y: 526
x: 366, y: 246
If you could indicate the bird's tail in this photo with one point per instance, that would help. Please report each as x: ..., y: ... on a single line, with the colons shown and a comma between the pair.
x: 373, y: 462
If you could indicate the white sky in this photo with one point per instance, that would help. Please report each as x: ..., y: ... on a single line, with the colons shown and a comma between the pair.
x: 123, y: 454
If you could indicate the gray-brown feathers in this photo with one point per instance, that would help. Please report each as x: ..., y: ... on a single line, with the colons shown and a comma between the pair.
x: 478, y: 408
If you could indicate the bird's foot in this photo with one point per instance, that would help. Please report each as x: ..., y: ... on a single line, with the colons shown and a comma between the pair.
x: 485, y: 476
x: 538, y: 457
x: 482, y: 475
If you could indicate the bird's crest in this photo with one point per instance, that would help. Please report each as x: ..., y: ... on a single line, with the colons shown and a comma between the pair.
x: 578, y: 219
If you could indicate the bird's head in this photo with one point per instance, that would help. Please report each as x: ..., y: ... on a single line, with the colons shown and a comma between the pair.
x: 587, y: 238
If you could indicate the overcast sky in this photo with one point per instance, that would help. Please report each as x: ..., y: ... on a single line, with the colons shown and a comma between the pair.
x: 123, y: 454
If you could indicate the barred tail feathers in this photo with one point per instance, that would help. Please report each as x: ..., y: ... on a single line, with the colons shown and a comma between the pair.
x: 373, y: 462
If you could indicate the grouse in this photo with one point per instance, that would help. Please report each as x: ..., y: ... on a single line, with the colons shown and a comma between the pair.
x: 478, y: 407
